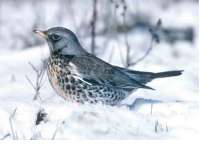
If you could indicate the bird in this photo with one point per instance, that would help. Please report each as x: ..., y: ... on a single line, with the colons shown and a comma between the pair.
x: 81, y: 77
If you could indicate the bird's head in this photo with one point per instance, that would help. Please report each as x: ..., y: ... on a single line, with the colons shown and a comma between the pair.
x: 61, y: 41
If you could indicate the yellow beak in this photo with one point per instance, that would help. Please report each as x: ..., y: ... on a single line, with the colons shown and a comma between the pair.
x: 40, y: 33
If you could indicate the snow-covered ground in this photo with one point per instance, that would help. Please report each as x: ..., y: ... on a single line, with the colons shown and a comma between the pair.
x: 169, y: 112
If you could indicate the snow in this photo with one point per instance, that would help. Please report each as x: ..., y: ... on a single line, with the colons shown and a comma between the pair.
x: 169, y: 112
x: 174, y: 109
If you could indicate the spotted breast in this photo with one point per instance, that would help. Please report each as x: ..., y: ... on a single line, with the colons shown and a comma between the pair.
x: 62, y: 76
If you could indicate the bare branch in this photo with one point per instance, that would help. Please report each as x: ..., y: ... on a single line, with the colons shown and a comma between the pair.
x: 30, y: 82
x: 57, y: 129
x: 151, y: 109
x: 128, y: 62
x: 33, y: 67
x: 55, y: 133
x: 152, y: 43
x: 156, y: 126
x: 160, y: 128
x: 13, y: 132
x: 39, y: 79
x: 5, y: 136
x: 93, y: 25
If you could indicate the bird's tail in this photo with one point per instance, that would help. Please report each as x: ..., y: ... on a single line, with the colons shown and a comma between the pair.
x: 142, y: 78
x: 166, y: 74
x: 145, y: 77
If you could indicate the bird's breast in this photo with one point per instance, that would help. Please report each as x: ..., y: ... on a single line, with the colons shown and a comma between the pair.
x: 63, y: 79
x: 55, y: 71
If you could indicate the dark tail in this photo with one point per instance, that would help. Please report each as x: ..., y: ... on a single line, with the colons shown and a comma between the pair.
x: 167, y: 74
x: 145, y: 77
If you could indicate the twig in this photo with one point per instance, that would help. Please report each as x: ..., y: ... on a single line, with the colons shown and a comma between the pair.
x: 160, y: 128
x: 154, y: 40
x: 145, y: 55
x: 30, y: 82
x: 56, y: 130
x: 114, y: 9
x: 54, y: 134
x: 127, y: 59
x: 5, y: 136
x: 156, y: 126
x: 14, y: 134
x: 39, y: 79
x: 151, y: 111
x: 93, y: 25
x: 128, y: 62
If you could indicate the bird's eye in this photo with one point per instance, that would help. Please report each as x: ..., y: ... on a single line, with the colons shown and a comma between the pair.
x: 55, y: 37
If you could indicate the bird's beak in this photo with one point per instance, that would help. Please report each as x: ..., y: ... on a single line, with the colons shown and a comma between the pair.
x: 41, y: 33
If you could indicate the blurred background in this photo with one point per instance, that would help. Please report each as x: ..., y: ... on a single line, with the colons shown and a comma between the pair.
x: 19, y: 17
x: 145, y: 35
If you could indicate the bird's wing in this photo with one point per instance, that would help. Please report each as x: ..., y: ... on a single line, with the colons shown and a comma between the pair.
x: 141, y: 77
x: 97, y: 72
